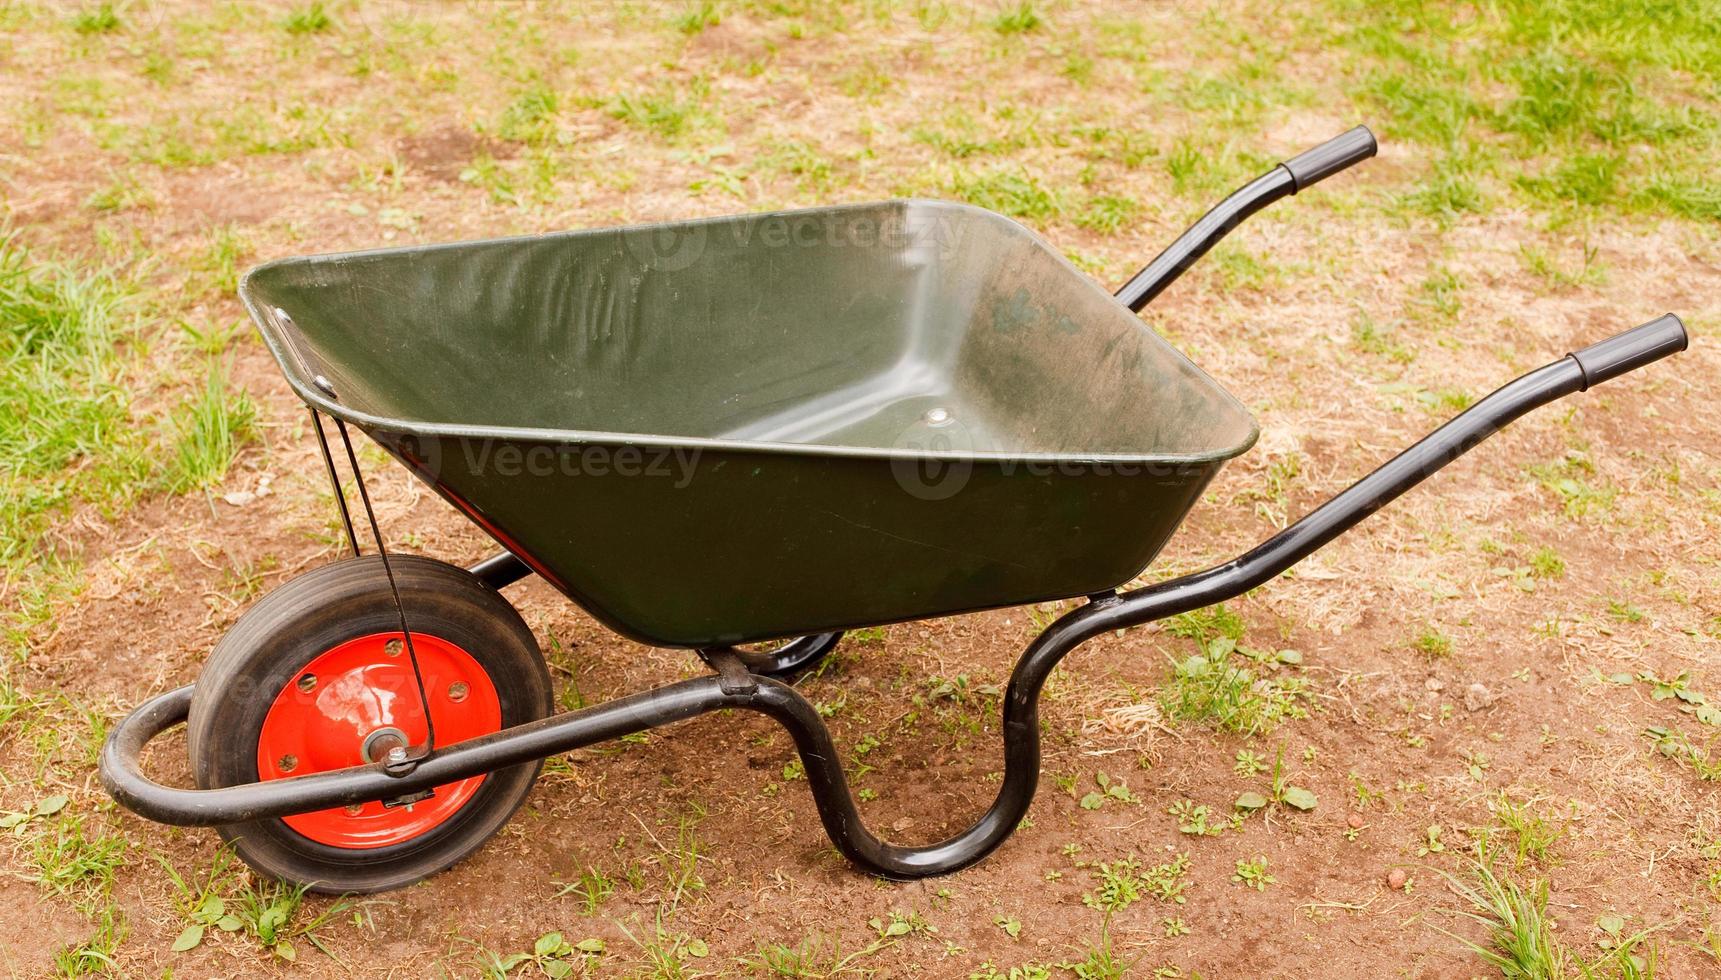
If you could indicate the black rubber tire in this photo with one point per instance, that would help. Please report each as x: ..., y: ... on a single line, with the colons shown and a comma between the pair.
x: 309, y: 615
x: 791, y: 658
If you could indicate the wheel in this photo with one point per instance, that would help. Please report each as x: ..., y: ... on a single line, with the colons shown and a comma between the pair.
x: 790, y: 657
x: 315, y: 677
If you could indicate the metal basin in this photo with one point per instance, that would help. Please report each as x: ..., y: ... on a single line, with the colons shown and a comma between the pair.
x: 738, y: 429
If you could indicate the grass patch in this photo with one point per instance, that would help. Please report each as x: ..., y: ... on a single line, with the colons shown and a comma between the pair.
x: 209, y: 431
x: 531, y: 117
x: 1215, y: 687
x: 1108, y: 213
x: 313, y: 18
x: 697, y: 18
x: 1012, y: 192
x: 1602, y: 104
x: 65, y: 432
x: 1520, y: 938
x: 1019, y: 19
x: 100, y: 19
x: 667, y: 111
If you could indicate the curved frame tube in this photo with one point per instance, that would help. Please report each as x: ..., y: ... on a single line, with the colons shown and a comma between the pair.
x: 736, y: 687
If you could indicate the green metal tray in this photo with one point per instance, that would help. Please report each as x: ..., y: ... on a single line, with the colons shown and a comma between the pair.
x: 719, y: 431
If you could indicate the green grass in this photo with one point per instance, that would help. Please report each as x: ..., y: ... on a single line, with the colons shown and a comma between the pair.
x: 313, y: 18
x: 667, y: 111
x: 209, y: 430
x: 814, y: 957
x: 94, y: 956
x: 65, y: 432
x: 1520, y: 938
x: 1019, y: 19
x: 71, y: 855
x: 1014, y: 192
x: 531, y: 117
x: 100, y: 19
x: 697, y: 17
x: 1595, y: 104
x: 1108, y: 214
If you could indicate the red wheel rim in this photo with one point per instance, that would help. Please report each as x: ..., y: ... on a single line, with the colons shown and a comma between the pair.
x: 323, y: 717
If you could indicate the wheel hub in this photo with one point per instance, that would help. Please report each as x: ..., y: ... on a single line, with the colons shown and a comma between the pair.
x: 356, y: 704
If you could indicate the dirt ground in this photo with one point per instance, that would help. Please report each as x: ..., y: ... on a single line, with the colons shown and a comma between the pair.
x: 1482, y: 659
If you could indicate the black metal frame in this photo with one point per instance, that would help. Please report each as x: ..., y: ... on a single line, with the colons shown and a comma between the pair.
x: 736, y: 685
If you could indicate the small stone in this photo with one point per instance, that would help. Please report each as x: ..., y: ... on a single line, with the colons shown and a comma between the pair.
x: 1396, y: 878
x: 1435, y: 684
x: 1355, y: 821
x: 903, y: 824
x: 1477, y: 697
x: 239, y: 498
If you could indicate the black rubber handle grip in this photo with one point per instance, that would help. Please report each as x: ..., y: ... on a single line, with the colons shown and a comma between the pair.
x: 1310, y: 167
x: 1631, y: 350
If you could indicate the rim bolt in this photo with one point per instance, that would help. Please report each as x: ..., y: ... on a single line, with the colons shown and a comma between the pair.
x: 287, y: 763
x: 354, y: 809
x: 457, y: 691
x: 308, y: 683
x: 397, y: 755
x: 392, y: 647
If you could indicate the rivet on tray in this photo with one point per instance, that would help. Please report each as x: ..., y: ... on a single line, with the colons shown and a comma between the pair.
x: 938, y: 416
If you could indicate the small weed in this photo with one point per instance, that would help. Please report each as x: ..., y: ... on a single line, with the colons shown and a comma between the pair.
x: 100, y: 19
x: 815, y: 957
x: 697, y: 18
x: 531, y: 117
x: 1540, y: 264
x: 269, y: 913
x: 1547, y: 563
x: 1248, y: 764
x: 1197, y: 820
x: 1623, y: 611
x: 313, y: 18
x: 1433, y: 644
x: 665, y: 111
x: 898, y: 924
x: 1019, y: 19
x: 592, y: 888
x: 1441, y: 293
x: 1109, y: 790
x: 95, y: 955
x: 1253, y: 874
x: 1123, y: 882
x: 1102, y: 962
x: 1570, y: 478
x: 1209, y: 687
x: 555, y: 957
x: 1532, y: 834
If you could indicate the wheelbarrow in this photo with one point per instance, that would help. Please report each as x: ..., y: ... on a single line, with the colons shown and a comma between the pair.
x: 741, y: 437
